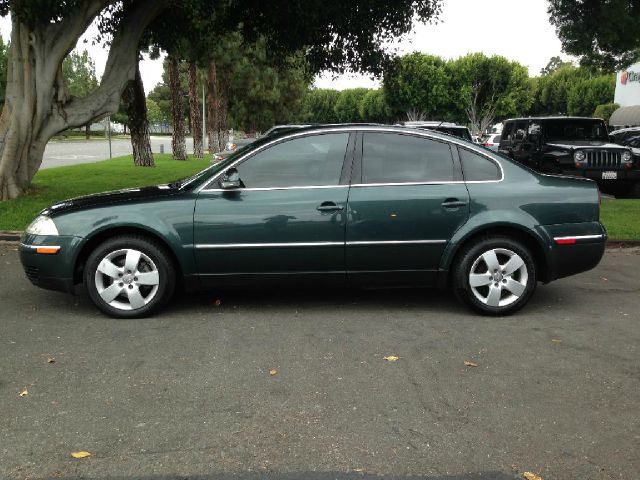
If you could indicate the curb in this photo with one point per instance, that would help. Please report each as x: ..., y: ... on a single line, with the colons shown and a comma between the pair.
x: 9, y: 236
x: 15, y: 237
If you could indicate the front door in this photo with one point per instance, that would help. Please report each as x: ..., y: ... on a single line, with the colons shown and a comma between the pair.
x: 286, y: 221
x: 405, y: 206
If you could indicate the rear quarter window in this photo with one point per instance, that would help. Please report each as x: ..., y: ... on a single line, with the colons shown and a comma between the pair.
x: 478, y: 168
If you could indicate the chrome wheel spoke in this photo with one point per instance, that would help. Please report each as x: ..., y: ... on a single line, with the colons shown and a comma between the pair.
x: 514, y: 287
x: 480, y: 279
x: 135, y: 298
x: 148, y: 278
x: 512, y: 265
x: 493, y: 300
x: 110, y: 293
x: 110, y: 269
x: 132, y: 260
x: 491, y: 259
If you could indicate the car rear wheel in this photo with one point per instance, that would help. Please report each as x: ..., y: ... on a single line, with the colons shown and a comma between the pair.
x: 129, y: 277
x: 495, y: 275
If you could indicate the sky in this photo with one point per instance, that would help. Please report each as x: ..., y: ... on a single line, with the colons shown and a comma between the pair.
x: 517, y: 29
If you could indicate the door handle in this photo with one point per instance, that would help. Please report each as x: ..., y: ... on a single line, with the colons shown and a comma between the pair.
x: 453, y: 203
x: 329, y: 207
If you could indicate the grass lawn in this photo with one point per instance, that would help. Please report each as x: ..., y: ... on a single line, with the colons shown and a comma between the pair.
x: 55, y: 184
x: 621, y: 217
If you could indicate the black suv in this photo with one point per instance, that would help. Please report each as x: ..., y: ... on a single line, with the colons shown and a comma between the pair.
x: 578, y: 146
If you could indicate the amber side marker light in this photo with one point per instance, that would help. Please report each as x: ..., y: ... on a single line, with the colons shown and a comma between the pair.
x: 47, y: 250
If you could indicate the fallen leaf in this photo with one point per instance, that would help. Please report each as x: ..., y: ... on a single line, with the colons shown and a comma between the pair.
x: 51, y: 360
x: 24, y: 393
x: 531, y: 476
x: 82, y: 454
x: 218, y: 302
x: 358, y: 470
x: 273, y: 372
x: 470, y: 364
x: 556, y: 340
x: 391, y: 358
x: 604, y: 279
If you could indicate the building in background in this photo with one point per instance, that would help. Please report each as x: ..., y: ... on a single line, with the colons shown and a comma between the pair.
x: 628, y: 97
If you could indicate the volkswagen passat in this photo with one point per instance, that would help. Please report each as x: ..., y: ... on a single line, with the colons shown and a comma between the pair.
x: 339, y: 205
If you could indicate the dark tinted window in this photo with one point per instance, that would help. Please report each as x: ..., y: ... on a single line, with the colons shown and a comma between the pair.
x: 478, y: 168
x: 507, y: 131
x: 307, y: 161
x: 576, y: 129
x: 395, y: 158
x: 497, y: 139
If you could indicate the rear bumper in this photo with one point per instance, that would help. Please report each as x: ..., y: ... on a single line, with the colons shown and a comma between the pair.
x: 575, y: 248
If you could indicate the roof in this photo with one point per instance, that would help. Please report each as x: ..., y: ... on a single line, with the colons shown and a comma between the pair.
x: 430, y: 123
x: 551, y: 117
x: 626, y: 116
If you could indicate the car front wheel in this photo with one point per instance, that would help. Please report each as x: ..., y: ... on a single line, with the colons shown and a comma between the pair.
x: 129, y: 277
x: 495, y: 276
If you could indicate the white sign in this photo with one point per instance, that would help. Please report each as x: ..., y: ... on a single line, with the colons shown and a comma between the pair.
x: 628, y: 86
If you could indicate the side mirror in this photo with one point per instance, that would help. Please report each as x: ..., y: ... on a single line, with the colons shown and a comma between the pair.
x: 231, y: 179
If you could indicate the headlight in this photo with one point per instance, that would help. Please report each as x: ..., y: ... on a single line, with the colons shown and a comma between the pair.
x: 627, y: 156
x: 42, y: 225
x: 579, y: 156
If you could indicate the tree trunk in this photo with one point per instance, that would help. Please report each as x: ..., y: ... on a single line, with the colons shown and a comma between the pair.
x: 37, y: 105
x: 178, y: 142
x: 194, y: 112
x: 87, y: 131
x: 136, y: 106
x: 212, y: 110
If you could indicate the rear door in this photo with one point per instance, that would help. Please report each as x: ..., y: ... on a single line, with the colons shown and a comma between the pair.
x: 406, y: 201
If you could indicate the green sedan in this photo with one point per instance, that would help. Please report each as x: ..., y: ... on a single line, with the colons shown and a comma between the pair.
x: 340, y: 205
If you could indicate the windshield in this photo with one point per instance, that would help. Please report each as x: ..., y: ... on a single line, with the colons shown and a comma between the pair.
x: 592, y: 130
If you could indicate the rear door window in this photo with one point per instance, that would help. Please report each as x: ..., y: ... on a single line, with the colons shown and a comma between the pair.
x: 478, y: 168
x: 397, y: 158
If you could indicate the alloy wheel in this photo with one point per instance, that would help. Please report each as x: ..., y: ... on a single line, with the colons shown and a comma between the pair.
x: 498, y: 277
x: 127, y: 279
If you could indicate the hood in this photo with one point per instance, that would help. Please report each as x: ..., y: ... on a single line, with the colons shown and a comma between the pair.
x: 107, y: 198
x: 575, y: 144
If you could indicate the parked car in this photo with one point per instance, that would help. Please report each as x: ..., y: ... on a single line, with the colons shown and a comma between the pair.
x: 629, y: 137
x: 444, y: 127
x: 491, y: 141
x: 577, y: 146
x: 332, y: 206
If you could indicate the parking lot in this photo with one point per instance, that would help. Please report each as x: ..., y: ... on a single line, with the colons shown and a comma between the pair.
x: 287, y: 385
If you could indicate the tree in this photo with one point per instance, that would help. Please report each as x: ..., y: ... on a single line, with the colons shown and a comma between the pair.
x: 161, y: 96
x: 603, y: 34
x: 587, y: 93
x: 79, y: 72
x: 334, y: 35
x: 554, y: 64
x: 4, y: 53
x: 374, y: 108
x: 194, y: 111
x: 605, y: 111
x: 418, y: 82
x: 347, y: 107
x: 318, y: 106
x: 178, y: 142
x: 136, y: 108
x: 154, y: 112
x: 487, y: 88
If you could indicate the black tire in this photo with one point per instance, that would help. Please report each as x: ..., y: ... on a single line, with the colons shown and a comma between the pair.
x: 156, y: 256
x: 472, y: 253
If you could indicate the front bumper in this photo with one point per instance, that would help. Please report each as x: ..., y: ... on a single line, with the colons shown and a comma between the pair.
x: 52, y: 271
x: 597, y: 175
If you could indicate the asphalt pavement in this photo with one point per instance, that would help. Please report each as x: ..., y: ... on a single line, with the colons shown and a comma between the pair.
x: 73, y: 152
x: 288, y: 385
